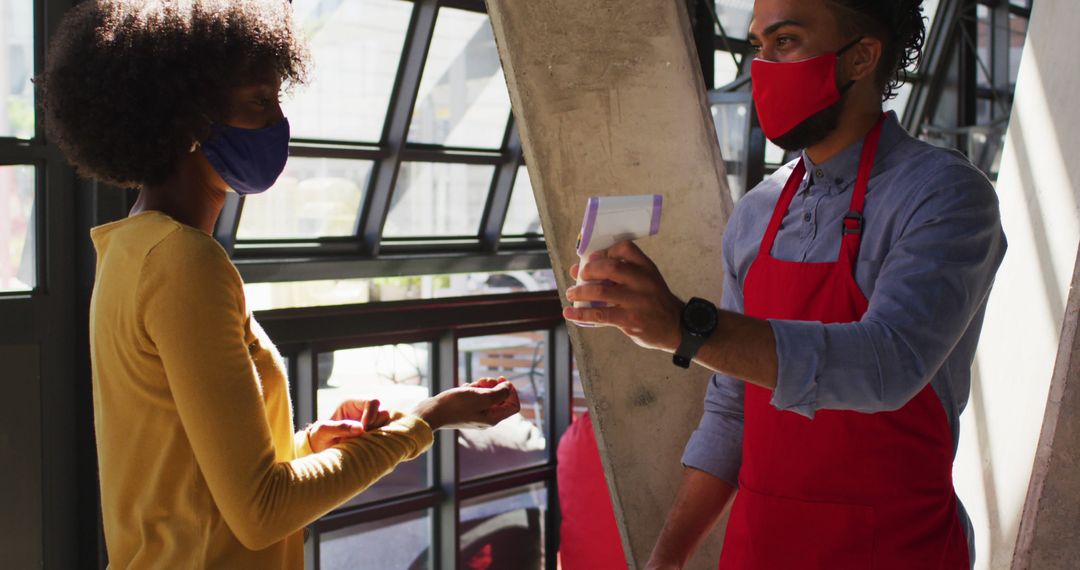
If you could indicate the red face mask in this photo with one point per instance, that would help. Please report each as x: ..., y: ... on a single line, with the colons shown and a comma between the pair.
x: 786, y: 94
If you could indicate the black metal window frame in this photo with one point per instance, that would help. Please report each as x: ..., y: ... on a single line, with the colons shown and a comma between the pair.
x: 367, y: 253
x: 302, y: 334
x: 50, y: 319
x: 951, y: 55
x: 950, y: 40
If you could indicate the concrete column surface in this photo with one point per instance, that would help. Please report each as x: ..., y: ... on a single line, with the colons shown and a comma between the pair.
x: 1015, y: 375
x: 609, y: 100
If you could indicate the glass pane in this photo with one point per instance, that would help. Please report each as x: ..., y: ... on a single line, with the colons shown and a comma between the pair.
x: 314, y: 197
x: 504, y: 531
x: 1017, y: 34
x: 398, y: 543
x: 774, y: 155
x: 732, y: 122
x: 16, y: 69
x: 522, y: 217
x: 982, y: 52
x: 899, y: 103
x: 735, y: 15
x: 930, y: 8
x: 724, y: 69
x: 579, y: 405
x: 519, y: 440
x: 399, y: 376
x: 18, y: 252
x: 463, y: 99
x: 355, y: 50
x: 265, y: 296
x: 438, y: 199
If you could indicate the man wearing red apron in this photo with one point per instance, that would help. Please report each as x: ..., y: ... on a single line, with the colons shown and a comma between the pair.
x: 856, y: 281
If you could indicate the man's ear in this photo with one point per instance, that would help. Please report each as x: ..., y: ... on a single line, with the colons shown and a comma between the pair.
x: 863, y: 58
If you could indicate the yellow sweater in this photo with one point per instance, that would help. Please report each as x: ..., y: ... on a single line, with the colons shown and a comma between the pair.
x: 199, y: 464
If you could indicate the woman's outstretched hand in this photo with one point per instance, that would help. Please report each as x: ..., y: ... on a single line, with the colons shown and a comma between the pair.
x: 352, y: 418
x: 480, y: 404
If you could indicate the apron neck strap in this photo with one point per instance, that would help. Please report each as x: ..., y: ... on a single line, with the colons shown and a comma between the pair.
x: 853, y: 220
x: 781, y: 208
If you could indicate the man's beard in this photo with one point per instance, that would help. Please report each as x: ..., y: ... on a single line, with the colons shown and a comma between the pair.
x: 812, y: 130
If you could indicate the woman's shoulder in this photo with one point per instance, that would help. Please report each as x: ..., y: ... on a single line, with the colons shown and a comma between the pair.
x: 164, y: 245
x: 183, y: 242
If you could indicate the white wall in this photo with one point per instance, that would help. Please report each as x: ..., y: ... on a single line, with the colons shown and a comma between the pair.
x: 1038, y: 191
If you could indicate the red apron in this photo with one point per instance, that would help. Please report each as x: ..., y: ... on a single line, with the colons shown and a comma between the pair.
x: 846, y: 490
x: 588, y: 537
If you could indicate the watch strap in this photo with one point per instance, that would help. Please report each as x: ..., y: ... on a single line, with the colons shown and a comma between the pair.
x: 688, y: 348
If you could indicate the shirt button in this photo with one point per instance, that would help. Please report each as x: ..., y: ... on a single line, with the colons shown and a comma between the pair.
x: 806, y: 217
x: 819, y: 173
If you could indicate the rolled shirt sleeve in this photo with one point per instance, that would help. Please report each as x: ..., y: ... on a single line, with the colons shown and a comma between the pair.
x: 715, y: 447
x: 932, y: 283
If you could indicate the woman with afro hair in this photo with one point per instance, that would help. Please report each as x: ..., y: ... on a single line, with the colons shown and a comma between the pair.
x: 199, y: 465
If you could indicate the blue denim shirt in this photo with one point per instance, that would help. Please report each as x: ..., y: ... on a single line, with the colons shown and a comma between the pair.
x: 932, y: 242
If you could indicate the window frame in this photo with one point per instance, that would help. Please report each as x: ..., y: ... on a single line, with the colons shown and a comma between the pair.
x: 367, y: 252
x: 302, y: 334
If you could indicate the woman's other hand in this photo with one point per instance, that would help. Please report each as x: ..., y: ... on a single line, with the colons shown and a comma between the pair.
x: 364, y: 411
x: 480, y: 404
x: 352, y: 418
x: 326, y: 433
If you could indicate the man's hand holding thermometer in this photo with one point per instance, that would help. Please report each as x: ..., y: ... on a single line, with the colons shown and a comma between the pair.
x: 617, y: 284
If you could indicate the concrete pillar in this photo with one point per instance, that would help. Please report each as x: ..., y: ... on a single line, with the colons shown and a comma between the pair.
x: 1027, y: 319
x: 610, y: 101
x: 1048, y: 537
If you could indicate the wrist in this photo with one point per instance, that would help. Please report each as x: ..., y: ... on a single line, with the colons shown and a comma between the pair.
x: 427, y: 411
x: 698, y: 321
x: 674, y: 338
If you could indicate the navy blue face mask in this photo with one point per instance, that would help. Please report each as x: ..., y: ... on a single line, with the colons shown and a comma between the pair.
x: 248, y: 160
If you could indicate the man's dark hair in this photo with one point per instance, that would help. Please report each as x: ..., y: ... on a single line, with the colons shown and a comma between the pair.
x: 900, y: 26
x: 130, y: 85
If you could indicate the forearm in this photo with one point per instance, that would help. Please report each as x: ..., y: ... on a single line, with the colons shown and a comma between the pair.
x: 291, y: 495
x: 742, y: 347
x: 701, y: 500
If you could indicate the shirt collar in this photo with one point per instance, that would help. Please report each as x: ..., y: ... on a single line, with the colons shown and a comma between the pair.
x: 839, y: 172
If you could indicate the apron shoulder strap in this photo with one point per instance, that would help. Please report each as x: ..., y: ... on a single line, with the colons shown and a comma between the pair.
x: 781, y: 208
x: 853, y: 220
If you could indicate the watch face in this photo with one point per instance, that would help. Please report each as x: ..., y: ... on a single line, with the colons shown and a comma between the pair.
x: 699, y: 317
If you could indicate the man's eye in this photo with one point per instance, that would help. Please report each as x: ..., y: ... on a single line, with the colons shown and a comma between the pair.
x: 755, y: 48
x: 782, y: 41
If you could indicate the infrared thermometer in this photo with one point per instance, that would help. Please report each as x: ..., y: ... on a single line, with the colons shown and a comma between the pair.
x: 610, y: 220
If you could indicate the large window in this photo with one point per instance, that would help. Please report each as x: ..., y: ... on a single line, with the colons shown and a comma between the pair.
x: 16, y: 69
x: 404, y: 160
x: 478, y: 495
x: 18, y: 251
x: 965, y: 99
x: 18, y: 183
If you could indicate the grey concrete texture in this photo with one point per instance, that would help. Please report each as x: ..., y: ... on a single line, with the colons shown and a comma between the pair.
x: 1050, y: 527
x: 609, y: 100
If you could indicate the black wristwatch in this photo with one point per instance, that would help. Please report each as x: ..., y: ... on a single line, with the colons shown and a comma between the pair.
x: 698, y: 321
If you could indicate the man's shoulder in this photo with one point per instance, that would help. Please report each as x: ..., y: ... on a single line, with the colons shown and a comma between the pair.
x: 925, y: 164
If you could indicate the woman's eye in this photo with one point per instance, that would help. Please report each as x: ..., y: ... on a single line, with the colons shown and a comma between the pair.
x: 782, y: 41
x: 755, y: 48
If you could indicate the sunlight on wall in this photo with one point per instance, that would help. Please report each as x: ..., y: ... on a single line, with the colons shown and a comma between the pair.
x: 1020, y: 341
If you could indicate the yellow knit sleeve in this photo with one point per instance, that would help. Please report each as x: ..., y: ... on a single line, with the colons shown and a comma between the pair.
x: 301, y: 444
x: 192, y: 310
